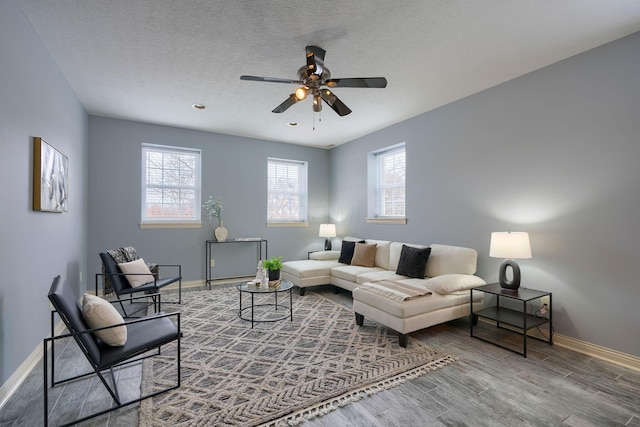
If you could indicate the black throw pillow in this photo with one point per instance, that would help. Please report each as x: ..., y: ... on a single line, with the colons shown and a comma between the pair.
x: 413, y: 261
x: 346, y: 253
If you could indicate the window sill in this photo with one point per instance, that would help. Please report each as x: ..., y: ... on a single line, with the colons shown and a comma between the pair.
x: 386, y: 220
x: 288, y: 224
x: 168, y: 224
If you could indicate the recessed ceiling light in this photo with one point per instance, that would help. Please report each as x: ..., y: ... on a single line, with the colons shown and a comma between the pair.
x: 199, y: 106
x: 292, y: 124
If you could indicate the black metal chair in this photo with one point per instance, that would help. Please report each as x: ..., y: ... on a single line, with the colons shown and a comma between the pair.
x: 144, y: 335
x: 123, y: 288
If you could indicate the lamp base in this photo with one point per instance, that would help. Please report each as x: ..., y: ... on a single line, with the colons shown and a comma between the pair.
x: 513, y: 284
x: 327, y: 244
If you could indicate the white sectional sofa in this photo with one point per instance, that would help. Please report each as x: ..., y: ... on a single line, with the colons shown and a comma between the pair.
x: 379, y: 291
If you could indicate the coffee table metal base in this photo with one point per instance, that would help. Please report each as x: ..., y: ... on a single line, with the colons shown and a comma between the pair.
x: 263, y: 313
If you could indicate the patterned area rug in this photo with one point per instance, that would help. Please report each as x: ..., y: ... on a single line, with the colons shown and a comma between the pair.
x: 278, y: 373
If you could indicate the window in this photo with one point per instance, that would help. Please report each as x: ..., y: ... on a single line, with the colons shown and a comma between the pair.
x: 387, y: 170
x: 286, y: 191
x: 170, y: 185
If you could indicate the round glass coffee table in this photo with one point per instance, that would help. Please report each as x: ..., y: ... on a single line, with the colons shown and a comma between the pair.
x: 265, y: 312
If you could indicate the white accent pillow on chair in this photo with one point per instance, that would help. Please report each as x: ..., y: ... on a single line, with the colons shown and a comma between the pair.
x: 136, y: 272
x: 99, y: 313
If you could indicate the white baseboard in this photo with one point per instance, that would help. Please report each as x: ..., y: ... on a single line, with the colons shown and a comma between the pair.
x: 603, y: 353
x: 14, y: 381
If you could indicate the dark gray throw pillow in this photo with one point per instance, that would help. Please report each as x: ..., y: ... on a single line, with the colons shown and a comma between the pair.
x: 346, y: 253
x: 413, y: 261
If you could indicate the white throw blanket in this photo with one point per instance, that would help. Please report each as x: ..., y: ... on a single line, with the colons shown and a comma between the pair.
x: 395, y: 290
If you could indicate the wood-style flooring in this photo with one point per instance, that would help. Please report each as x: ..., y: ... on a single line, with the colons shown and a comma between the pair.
x: 486, y: 386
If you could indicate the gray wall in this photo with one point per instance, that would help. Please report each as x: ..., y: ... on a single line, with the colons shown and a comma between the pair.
x: 35, y: 100
x: 233, y: 168
x: 554, y: 153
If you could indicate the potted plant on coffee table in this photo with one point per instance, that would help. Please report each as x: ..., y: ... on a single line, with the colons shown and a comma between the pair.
x: 273, y: 264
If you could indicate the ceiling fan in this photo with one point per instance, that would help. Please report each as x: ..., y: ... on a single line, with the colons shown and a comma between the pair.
x: 315, y: 80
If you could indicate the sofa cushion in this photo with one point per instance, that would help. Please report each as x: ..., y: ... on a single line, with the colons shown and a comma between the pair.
x: 413, y: 261
x: 414, y: 307
x: 364, y: 255
x: 325, y: 255
x: 448, y: 283
x: 346, y: 251
x: 351, y: 272
x: 445, y: 259
x: 382, y: 252
x: 309, y: 268
x: 378, y: 274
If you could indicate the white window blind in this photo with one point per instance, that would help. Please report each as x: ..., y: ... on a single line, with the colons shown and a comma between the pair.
x: 170, y: 184
x: 286, y: 190
x: 390, y: 188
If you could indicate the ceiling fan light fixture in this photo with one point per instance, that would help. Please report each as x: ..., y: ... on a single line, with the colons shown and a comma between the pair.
x: 317, y: 103
x: 314, y: 79
x: 301, y: 93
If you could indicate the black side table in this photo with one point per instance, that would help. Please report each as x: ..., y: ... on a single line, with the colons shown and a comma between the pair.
x: 517, y: 320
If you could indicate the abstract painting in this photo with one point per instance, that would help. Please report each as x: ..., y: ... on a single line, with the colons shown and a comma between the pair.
x: 50, y: 178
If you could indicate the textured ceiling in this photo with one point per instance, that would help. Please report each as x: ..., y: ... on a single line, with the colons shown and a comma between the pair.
x: 150, y: 60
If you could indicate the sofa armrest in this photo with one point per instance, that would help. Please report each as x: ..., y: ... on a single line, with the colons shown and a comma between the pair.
x: 324, y: 255
x: 448, y: 283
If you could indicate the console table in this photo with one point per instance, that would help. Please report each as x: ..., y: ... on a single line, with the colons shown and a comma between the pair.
x: 260, y: 243
x: 519, y: 320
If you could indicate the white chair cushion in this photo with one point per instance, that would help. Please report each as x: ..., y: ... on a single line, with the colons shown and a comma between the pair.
x: 99, y: 313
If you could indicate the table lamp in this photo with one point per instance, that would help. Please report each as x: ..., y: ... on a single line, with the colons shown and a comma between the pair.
x: 510, y: 245
x: 327, y: 231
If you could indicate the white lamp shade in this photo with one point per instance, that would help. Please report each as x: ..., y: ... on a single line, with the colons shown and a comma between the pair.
x: 327, y: 230
x: 512, y: 245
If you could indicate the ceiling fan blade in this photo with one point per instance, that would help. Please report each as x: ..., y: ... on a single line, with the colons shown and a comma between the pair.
x: 315, y: 60
x: 373, y: 82
x: 269, y: 79
x: 334, y: 102
x: 286, y: 104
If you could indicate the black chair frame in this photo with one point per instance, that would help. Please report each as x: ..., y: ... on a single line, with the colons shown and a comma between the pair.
x: 104, y: 358
x: 124, y: 290
x: 55, y: 338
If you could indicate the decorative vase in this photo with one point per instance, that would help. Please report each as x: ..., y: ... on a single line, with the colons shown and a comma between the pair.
x: 221, y: 233
x: 274, y: 275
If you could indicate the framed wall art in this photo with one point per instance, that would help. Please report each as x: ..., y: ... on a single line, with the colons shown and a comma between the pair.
x: 50, y: 178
